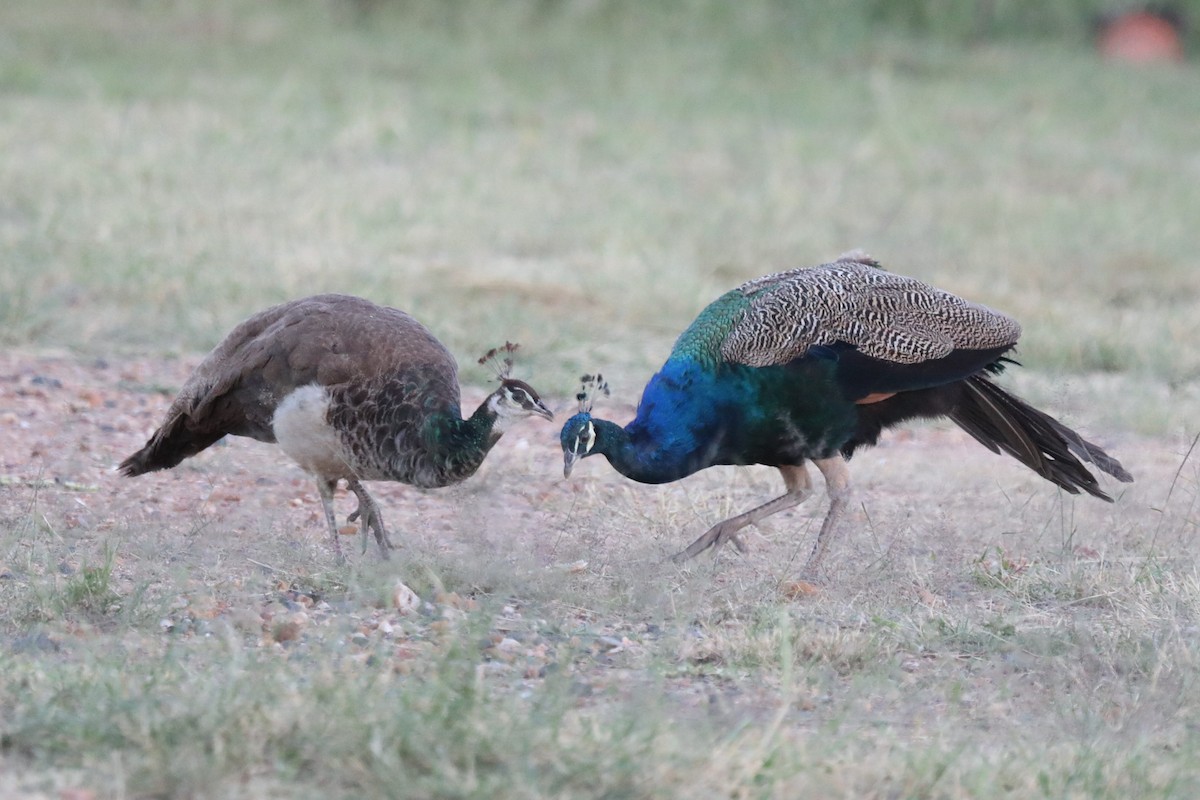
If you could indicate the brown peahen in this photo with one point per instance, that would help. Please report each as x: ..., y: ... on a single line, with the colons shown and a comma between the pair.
x: 812, y: 364
x: 351, y: 391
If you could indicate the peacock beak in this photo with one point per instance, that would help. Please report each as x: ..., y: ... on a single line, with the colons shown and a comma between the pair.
x: 569, y: 459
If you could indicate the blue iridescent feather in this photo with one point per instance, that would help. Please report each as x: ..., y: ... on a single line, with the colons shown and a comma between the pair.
x: 812, y: 364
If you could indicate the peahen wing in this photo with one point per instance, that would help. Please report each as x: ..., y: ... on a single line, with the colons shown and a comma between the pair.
x: 327, y: 339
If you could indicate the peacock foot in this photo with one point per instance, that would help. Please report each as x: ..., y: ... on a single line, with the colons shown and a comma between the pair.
x: 716, y: 536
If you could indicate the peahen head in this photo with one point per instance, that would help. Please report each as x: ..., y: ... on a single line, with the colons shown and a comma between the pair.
x: 578, y: 437
x: 514, y: 398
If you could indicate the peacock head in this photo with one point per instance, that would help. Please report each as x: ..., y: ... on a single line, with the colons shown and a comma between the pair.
x: 578, y: 437
x: 515, y: 398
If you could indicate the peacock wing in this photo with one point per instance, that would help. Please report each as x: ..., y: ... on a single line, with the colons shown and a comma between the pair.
x: 853, y: 304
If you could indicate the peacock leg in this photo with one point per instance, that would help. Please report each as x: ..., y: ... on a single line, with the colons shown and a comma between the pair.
x: 799, y: 487
x: 325, y: 490
x: 372, y: 518
x: 837, y: 486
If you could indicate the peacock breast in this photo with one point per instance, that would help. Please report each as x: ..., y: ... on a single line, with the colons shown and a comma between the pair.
x: 791, y: 412
x: 693, y: 416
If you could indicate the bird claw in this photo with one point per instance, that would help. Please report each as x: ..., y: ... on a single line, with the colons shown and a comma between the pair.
x: 372, y: 522
x: 714, y: 538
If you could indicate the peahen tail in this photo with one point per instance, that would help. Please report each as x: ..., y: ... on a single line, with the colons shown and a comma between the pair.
x: 1004, y: 423
x: 169, y: 445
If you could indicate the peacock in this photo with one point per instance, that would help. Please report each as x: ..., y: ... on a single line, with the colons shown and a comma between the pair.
x: 812, y: 364
x: 350, y: 390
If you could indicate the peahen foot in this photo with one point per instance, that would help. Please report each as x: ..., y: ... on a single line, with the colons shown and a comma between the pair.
x: 372, y: 519
x: 325, y: 490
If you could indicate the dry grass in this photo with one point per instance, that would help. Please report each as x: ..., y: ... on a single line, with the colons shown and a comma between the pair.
x: 583, y: 177
x: 187, y: 634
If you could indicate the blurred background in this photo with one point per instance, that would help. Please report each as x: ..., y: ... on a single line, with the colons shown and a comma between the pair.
x: 583, y: 176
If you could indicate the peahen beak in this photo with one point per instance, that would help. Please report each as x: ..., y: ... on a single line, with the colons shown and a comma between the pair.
x: 540, y: 409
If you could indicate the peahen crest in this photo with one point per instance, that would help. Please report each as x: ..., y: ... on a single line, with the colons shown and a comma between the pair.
x: 500, y: 360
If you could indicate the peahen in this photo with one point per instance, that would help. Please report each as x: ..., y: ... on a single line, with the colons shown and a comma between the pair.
x: 351, y: 391
x: 810, y: 365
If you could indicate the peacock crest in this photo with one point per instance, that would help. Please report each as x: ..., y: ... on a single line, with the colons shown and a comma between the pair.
x: 589, y: 387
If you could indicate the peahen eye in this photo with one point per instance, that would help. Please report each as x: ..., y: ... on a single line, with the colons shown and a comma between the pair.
x: 519, y: 396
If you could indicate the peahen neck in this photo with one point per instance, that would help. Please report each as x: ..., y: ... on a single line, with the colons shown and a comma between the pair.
x: 458, y: 446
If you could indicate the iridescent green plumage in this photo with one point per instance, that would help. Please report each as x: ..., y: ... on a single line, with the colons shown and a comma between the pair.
x: 811, y: 364
x: 702, y: 340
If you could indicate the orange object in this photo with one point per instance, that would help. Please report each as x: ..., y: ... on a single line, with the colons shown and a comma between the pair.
x: 874, y: 397
x: 1139, y: 37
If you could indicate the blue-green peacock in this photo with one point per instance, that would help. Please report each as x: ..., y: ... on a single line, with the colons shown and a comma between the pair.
x: 812, y: 364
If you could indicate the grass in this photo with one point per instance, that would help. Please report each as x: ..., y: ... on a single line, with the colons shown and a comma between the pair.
x: 1002, y: 691
x: 582, y: 178
x: 533, y: 171
x: 1052, y: 672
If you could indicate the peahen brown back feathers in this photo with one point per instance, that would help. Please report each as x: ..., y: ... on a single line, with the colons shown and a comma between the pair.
x: 350, y: 390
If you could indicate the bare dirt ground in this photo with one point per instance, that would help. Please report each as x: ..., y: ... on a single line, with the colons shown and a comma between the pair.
x: 65, y: 422
x: 940, y: 534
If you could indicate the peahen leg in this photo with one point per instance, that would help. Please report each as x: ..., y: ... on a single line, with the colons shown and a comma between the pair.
x: 372, y: 518
x: 799, y: 487
x: 837, y: 486
x: 325, y: 490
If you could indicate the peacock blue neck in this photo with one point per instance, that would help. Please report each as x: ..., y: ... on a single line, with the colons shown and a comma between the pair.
x: 694, y: 416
